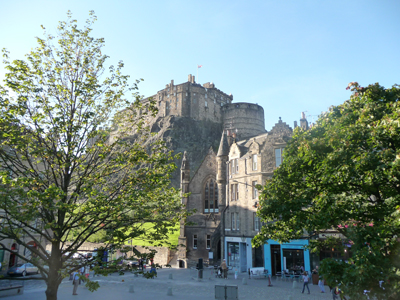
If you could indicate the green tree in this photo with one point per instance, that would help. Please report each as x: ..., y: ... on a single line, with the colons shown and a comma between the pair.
x: 344, y: 174
x: 65, y: 169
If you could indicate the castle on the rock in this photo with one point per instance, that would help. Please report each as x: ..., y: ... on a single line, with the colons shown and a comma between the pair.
x: 222, y: 185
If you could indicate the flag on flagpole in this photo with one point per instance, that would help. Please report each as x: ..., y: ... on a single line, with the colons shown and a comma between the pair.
x: 199, y: 66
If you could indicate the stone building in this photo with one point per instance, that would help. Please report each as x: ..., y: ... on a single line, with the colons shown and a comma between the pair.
x: 219, y: 172
x: 224, y: 195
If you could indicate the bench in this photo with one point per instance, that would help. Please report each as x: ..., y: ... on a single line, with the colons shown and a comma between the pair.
x: 11, y: 290
x: 259, y: 272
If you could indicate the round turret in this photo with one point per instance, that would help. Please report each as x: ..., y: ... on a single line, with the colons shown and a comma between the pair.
x: 245, y: 119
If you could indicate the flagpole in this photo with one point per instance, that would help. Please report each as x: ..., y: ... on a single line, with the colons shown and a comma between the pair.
x: 198, y: 66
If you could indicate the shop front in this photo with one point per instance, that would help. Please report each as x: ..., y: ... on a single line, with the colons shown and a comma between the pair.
x: 238, y: 253
x: 289, y: 257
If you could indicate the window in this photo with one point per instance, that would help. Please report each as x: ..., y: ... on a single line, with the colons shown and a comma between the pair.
x: 234, y: 192
x: 278, y: 156
x: 186, y: 93
x: 168, y: 96
x: 256, y: 222
x: 255, y: 158
x: 235, y: 221
x: 195, y: 241
x: 255, y: 191
x: 205, y: 103
x: 208, y: 245
x: 205, y: 96
x: 174, y: 88
x: 235, y: 166
x: 174, y: 94
x: 211, y: 196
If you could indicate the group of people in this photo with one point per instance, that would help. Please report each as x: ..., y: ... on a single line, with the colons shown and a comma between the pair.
x: 76, y: 278
x: 335, y: 291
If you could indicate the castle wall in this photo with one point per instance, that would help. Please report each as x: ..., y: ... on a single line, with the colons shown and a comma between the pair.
x: 245, y: 119
x: 189, y: 99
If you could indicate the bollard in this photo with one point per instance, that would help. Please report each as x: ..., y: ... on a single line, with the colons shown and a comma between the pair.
x: 169, y: 291
x: 294, y: 286
x: 131, y: 289
x: 170, y: 276
x: 244, y: 281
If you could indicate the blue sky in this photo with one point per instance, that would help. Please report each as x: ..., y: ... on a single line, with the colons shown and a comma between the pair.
x: 287, y: 56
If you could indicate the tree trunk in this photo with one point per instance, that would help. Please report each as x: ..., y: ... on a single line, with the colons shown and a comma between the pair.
x: 52, y: 287
x: 54, y: 279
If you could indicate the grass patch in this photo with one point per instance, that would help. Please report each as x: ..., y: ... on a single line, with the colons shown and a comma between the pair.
x: 142, y: 241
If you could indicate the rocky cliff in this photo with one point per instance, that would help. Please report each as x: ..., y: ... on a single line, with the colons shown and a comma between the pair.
x: 185, y: 134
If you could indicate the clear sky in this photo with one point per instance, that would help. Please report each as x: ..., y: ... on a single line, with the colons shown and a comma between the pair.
x: 288, y: 56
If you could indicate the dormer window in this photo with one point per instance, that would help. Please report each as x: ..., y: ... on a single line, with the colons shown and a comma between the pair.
x: 254, y: 160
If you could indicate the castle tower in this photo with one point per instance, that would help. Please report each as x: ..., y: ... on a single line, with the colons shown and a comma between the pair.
x: 185, y: 179
x: 303, y: 121
x: 222, y: 160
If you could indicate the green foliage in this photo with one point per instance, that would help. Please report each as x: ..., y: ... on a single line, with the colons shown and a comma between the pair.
x: 344, y: 174
x: 65, y: 170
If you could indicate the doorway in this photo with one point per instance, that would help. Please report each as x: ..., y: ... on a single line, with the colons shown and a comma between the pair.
x: 181, y: 264
x: 243, y: 257
x: 276, y: 264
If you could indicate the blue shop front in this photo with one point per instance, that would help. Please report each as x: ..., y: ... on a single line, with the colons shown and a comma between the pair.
x: 287, y: 256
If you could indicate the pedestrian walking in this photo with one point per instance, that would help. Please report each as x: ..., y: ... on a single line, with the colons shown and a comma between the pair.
x: 81, y: 271
x: 335, y: 293
x: 305, y: 279
x: 321, y: 283
x: 87, y: 271
x: 75, y: 282
x: 224, y: 269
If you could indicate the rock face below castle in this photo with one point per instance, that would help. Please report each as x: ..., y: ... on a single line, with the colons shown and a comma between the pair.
x: 185, y: 134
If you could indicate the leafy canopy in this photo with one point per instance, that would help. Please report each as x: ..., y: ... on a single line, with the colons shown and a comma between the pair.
x: 343, y: 174
x: 68, y: 168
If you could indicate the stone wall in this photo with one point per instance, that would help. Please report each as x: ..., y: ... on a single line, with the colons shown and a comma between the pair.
x: 162, y: 257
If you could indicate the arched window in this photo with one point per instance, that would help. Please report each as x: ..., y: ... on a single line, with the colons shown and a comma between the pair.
x: 211, y: 196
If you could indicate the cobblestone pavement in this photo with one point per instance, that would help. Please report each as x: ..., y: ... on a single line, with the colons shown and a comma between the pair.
x: 184, y: 284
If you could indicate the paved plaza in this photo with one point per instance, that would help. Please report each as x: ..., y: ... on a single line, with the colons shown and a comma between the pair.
x: 184, y: 285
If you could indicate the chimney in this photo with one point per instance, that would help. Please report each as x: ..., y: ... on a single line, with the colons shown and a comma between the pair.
x: 303, y: 121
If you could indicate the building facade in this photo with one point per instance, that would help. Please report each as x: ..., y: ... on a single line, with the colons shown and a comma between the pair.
x: 224, y: 194
x: 220, y: 187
